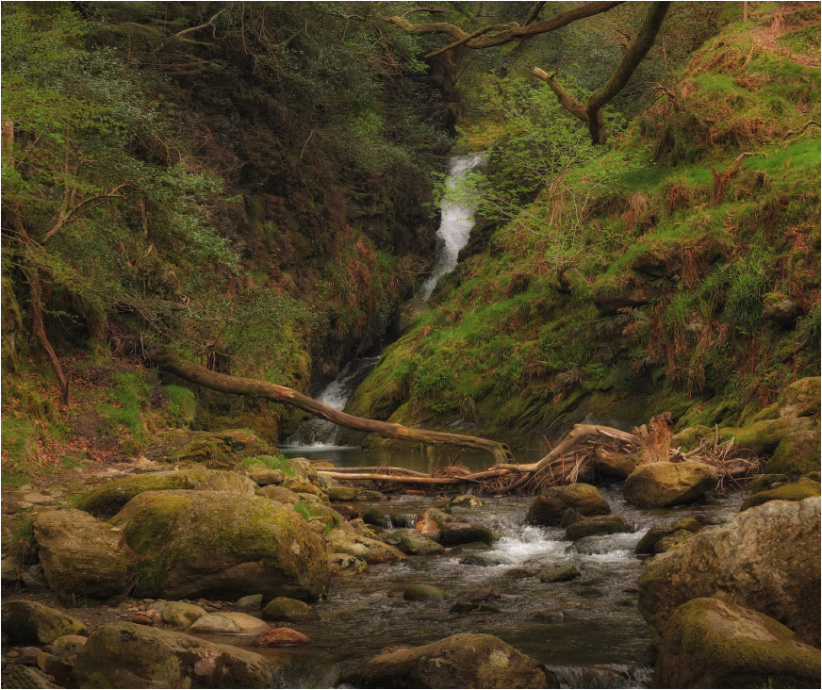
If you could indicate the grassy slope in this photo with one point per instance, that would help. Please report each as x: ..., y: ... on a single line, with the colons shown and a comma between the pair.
x: 672, y: 248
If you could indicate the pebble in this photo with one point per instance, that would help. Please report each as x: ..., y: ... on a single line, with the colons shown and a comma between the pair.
x: 282, y: 637
x: 142, y: 619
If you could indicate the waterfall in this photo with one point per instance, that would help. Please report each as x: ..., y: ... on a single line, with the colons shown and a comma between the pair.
x: 321, y: 432
x: 457, y: 219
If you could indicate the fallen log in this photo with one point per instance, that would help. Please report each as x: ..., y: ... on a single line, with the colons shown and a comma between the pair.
x: 377, y: 468
x: 399, y: 479
x: 253, y: 388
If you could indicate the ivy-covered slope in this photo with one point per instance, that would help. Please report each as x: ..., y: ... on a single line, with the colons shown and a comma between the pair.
x: 677, y: 271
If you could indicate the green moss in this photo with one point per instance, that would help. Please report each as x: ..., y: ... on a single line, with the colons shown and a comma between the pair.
x: 795, y: 491
x: 182, y: 405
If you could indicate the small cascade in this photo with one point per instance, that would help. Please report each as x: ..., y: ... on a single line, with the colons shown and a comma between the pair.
x: 320, y: 432
x: 456, y: 222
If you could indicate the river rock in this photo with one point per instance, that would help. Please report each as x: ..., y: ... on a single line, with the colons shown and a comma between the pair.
x: 215, y: 449
x: 415, y: 544
x: 713, y: 644
x: 28, y: 677
x: 616, y: 464
x: 766, y: 559
x: 229, y: 623
x: 424, y: 593
x: 202, y: 543
x: 282, y: 637
x: 347, y: 494
x: 456, y: 533
x: 83, y: 556
x: 108, y: 499
x: 466, y: 501
x: 604, y: 677
x: 281, y: 494
x: 251, y: 603
x: 602, y: 524
x: 125, y: 655
x: 763, y: 482
x: 548, y: 508
x: 795, y: 491
x: 290, y: 610
x: 67, y: 645
x: 266, y: 477
x: 465, y: 660
x: 667, y: 484
x: 373, y: 516
x: 11, y: 571
x: 27, y: 622
x: 480, y: 561
x: 564, y: 574
x: 346, y: 564
x: 649, y: 541
x: 369, y: 550
x: 178, y: 613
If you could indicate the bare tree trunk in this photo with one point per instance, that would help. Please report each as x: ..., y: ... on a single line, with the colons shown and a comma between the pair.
x: 281, y: 394
x: 40, y: 333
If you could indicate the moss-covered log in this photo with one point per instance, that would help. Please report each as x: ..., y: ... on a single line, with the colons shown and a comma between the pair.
x: 238, y: 385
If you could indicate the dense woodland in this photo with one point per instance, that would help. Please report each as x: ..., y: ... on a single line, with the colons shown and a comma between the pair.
x: 201, y: 192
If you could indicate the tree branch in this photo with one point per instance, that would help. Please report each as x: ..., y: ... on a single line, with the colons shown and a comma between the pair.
x: 210, y: 22
x: 67, y: 215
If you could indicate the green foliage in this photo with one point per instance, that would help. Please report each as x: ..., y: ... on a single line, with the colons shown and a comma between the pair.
x: 271, y: 462
x: 128, y: 396
x: 182, y: 404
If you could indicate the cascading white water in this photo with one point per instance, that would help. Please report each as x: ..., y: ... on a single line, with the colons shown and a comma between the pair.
x: 319, y: 432
x: 457, y: 220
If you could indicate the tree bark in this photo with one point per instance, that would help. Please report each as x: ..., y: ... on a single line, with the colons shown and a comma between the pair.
x: 238, y: 385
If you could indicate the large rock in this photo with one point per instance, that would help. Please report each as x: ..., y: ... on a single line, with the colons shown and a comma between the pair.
x: 215, y: 449
x: 456, y: 533
x: 27, y: 622
x: 795, y: 491
x: 127, y: 655
x: 83, y: 556
x: 107, y: 500
x: 713, y: 644
x: 767, y: 559
x: 548, y: 508
x: 201, y: 543
x: 660, y: 537
x: 460, y: 661
x: 369, y: 550
x: 667, y: 484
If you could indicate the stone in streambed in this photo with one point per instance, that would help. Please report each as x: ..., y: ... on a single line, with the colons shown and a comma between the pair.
x: 83, y: 556
x: 29, y: 622
x: 204, y: 543
x: 282, y: 637
x: 178, y: 614
x: 291, y: 610
x: 418, y: 545
x: 649, y: 541
x: 564, y: 574
x: 603, y: 524
x: 460, y: 661
x: 668, y: 484
x: 67, y: 645
x: 281, y: 494
x: 456, y: 533
x: 714, y: 644
x: 28, y: 677
x: 375, y: 517
x: 251, y: 603
x: 369, y: 550
x: 795, y: 491
x: 548, y: 508
x: 229, y: 623
x: 478, y: 561
x: 424, y: 593
x: 266, y: 477
x: 108, y: 499
x: 466, y: 501
x: 125, y: 655
x: 346, y: 564
x: 348, y: 494
x: 767, y: 559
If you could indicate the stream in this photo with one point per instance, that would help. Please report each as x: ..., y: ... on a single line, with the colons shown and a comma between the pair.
x: 569, y: 627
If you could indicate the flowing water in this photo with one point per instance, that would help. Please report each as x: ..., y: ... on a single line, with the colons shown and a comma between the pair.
x: 570, y: 626
x: 456, y: 221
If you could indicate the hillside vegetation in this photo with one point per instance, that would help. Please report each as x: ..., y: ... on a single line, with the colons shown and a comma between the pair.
x: 677, y: 271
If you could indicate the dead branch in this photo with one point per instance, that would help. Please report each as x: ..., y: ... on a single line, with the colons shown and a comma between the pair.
x: 190, y: 29
x: 238, y: 385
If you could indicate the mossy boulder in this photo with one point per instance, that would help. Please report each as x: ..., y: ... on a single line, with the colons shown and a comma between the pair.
x: 798, y: 453
x: 290, y: 610
x: 465, y: 660
x: 347, y: 494
x: 456, y: 533
x: 792, y: 441
x: 424, y: 593
x: 691, y: 437
x: 28, y: 622
x: 281, y: 494
x: 713, y: 644
x: 369, y: 550
x: 667, y: 484
x: 548, y: 508
x: 178, y: 613
x: 83, y: 556
x: 616, y: 464
x: 669, y: 535
x: 764, y: 482
x: 599, y: 525
x: 108, y: 499
x: 127, y: 655
x: 201, y: 543
x: 415, y: 544
x: 801, y: 398
x: 795, y: 491
x: 214, y: 449
x: 766, y: 559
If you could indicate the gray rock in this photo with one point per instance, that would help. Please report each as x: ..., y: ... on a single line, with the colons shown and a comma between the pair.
x: 127, y: 655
